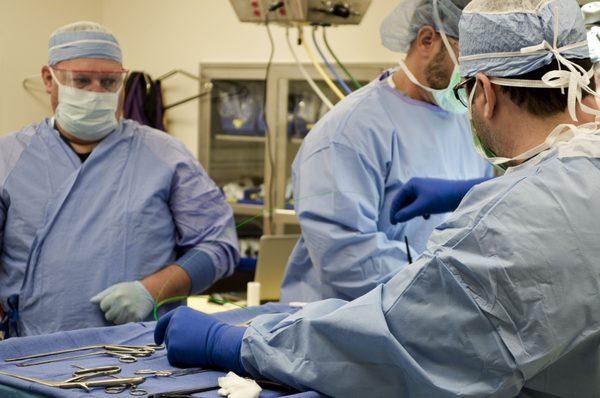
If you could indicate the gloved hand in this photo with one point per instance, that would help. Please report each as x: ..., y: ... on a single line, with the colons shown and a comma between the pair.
x: 422, y: 196
x: 125, y: 302
x: 196, y: 339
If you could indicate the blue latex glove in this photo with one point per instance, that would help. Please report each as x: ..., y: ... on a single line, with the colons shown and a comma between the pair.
x: 125, y: 302
x: 196, y: 339
x: 423, y: 196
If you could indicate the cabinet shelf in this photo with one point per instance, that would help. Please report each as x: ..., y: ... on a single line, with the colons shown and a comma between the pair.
x: 241, y: 209
x: 239, y: 138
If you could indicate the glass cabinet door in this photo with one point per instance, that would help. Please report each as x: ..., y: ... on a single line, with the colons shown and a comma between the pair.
x: 237, y: 141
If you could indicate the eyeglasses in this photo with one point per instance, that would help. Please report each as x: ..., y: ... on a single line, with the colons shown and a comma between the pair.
x: 461, y: 90
x: 92, y: 80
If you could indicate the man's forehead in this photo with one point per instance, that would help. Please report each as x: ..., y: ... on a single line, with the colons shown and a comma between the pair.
x: 92, y: 64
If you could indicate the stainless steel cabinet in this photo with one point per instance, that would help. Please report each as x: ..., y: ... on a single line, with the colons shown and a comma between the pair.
x: 235, y: 143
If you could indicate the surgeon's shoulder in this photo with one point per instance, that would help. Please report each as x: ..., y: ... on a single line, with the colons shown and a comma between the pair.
x: 20, y: 137
x: 166, y: 147
x: 523, y: 197
x: 13, y: 145
x: 350, y: 120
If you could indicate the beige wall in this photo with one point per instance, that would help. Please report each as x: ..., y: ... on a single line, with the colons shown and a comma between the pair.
x: 25, y: 26
x: 158, y: 36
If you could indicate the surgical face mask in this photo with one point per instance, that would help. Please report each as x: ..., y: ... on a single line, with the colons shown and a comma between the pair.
x: 444, y: 98
x: 90, y: 116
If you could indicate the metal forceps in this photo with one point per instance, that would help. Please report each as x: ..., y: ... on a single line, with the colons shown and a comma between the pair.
x: 89, y: 373
x: 146, y: 373
x: 124, y: 353
x: 85, y: 384
x: 133, y: 390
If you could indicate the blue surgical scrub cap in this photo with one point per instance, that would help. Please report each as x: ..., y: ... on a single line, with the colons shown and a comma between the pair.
x: 399, y: 29
x: 504, y: 38
x: 83, y: 40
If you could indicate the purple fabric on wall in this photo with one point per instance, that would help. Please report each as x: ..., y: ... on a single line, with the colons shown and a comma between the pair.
x: 143, y: 100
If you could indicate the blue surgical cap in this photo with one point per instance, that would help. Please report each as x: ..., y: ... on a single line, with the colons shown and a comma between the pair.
x: 83, y: 40
x: 399, y: 29
x: 504, y: 38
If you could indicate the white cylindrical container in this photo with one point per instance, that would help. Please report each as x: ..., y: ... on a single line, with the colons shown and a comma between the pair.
x: 253, y: 294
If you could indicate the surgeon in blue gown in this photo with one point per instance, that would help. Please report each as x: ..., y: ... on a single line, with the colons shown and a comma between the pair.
x: 101, y: 216
x: 505, y: 301
x: 405, y: 124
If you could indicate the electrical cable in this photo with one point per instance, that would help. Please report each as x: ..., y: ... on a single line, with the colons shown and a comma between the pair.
x: 315, y: 61
x: 271, y: 157
x: 158, y: 304
x: 305, y: 74
x: 274, y: 7
x: 323, y: 98
x: 355, y: 83
x: 337, y: 76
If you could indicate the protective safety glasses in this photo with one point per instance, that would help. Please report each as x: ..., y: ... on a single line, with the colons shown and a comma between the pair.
x: 461, y: 90
x: 91, y: 80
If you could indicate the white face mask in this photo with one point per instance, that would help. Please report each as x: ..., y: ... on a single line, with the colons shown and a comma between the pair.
x: 90, y: 116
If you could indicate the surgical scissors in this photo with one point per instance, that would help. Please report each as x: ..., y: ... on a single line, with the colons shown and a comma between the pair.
x: 88, y: 373
x: 133, y: 390
x: 146, y: 373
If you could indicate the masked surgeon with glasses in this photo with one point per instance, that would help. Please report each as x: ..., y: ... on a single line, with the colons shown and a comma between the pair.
x: 99, y: 215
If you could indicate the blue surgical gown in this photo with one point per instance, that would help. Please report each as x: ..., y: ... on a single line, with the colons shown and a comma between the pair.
x: 506, y: 299
x: 69, y: 229
x: 345, y: 177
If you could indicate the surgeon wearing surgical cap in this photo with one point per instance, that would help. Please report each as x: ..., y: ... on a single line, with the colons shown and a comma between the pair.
x: 423, y: 196
x: 100, y: 216
x: 405, y: 124
x: 504, y: 301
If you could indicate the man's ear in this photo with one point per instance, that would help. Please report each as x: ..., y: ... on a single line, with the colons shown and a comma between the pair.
x: 47, y: 78
x: 425, y: 40
x: 489, y: 96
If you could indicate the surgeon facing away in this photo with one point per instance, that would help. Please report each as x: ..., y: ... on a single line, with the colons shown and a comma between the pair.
x: 99, y: 215
x: 425, y: 196
x: 405, y: 124
x: 505, y: 300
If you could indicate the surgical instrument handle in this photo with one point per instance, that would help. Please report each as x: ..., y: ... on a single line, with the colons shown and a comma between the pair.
x: 128, y: 357
x: 120, y: 348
